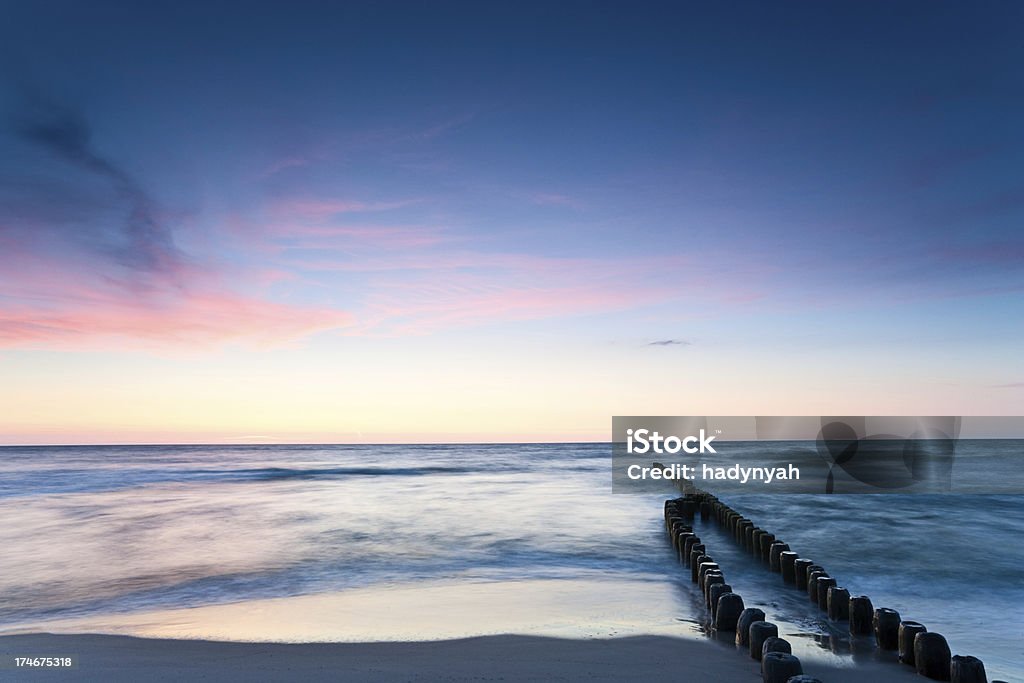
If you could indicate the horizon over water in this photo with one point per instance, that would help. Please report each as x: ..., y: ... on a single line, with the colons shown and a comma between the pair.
x: 221, y: 541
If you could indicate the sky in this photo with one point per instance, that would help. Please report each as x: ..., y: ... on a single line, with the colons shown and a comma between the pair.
x: 338, y: 222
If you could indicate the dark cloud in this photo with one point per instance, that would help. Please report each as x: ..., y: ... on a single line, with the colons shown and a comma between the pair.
x: 142, y: 241
x: 669, y: 342
x: 1011, y: 385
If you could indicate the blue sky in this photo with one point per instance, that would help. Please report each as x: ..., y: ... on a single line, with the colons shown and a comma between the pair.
x: 474, y: 220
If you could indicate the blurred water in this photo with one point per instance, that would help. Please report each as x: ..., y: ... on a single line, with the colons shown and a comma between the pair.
x: 93, y: 531
x: 117, y: 528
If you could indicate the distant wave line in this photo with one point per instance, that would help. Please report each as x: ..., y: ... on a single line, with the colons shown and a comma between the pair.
x: 312, y: 473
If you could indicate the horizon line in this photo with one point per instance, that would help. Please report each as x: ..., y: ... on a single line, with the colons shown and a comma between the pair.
x: 415, y: 443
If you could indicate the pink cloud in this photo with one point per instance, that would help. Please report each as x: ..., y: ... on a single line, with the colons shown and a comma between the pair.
x: 195, y: 318
x: 319, y: 223
x: 305, y: 208
x: 467, y: 259
x: 70, y: 302
x: 516, y: 287
x: 283, y: 243
x: 334, y: 236
x: 396, y: 279
x: 434, y: 311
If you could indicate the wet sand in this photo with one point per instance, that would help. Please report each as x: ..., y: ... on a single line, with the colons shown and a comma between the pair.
x: 491, y: 658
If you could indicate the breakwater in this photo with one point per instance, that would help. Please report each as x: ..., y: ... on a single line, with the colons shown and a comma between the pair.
x: 926, y: 651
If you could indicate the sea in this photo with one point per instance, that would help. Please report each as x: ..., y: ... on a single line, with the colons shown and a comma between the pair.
x: 372, y: 542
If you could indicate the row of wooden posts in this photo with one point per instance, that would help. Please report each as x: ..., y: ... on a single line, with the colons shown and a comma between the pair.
x: 927, y: 651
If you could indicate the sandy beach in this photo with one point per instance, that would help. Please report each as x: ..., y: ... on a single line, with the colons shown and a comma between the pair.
x: 491, y: 658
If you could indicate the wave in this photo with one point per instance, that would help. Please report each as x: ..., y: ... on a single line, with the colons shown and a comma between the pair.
x: 102, y: 477
x: 274, y: 473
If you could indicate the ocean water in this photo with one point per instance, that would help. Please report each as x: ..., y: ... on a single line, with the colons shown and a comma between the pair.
x: 954, y: 563
x: 97, y: 533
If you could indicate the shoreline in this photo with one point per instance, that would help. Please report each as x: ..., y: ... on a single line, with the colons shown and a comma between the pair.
x: 117, y: 658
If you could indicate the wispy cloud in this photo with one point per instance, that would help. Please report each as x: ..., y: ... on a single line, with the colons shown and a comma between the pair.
x: 1011, y: 385
x: 555, y: 199
x: 91, y: 259
x: 461, y: 302
x: 319, y: 208
x: 195, y: 319
x: 382, y: 137
x: 145, y: 241
x: 284, y: 164
x: 90, y: 308
x: 503, y: 288
x: 332, y: 223
x: 670, y: 342
x: 261, y: 271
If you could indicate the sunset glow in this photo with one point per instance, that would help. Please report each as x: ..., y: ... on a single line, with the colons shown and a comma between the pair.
x: 344, y: 242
